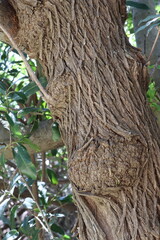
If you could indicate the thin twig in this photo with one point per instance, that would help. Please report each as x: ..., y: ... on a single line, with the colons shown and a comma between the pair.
x: 39, y: 208
x: 47, y: 98
x: 154, y: 44
x: 43, y: 166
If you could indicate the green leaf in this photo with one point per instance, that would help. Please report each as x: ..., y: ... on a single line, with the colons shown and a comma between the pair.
x: 13, y: 216
x: 2, y: 159
x: 3, y: 87
x: 31, y: 144
x: 152, y: 26
x: 14, y: 181
x: 28, y: 228
x: 18, y: 96
x: 9, y: 119
x: 54, y: 152
x: 32, y: 88
x: 141, y: 28
x: 151, y: 93
x: 29, y: 203
x: 3, y: 109
x: 66, y: 236
x: 66, y: 199
x: 24, y: 162
x: 150, y: 17
x: 55, y: 132
x: 52, y: 176
x: 13, y: 234
x: 16, y: 131
x: 137, y: 5
x: 29, y: 110
x: 3, y: 206
x: 26, y: 111
x: 148, y: 23
x: 57, y: 229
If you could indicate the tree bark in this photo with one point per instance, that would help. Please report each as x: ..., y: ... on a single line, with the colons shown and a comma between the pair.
x: 98, y: 81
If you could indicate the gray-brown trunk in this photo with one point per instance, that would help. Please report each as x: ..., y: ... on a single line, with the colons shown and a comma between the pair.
x: 98, y: 82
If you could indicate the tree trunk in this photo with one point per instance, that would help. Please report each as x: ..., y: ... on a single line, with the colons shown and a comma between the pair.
x: 98, y: 82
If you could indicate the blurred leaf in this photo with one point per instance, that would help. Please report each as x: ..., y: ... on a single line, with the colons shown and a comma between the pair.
x: 4, y: 220
x: 66, y: 236
x: 13, y: 234
x: 151, y: 93
x: 31, y: 144
x: 15, y: 180
x: 17, y: 62
x: 32, y: 88
x: 29, y: 110
x: 29, y: 203
x: 151, y: 27
x: 23, y: 161
x: 32, y: 64
x: 13, y: 216
x: 18, y: 96
x: 2, y: 159
x: 26, y: 111
x: 57, y: 229
x: 137, y: 5
x: 13, y: 72
x: 148, y: 23
x: 28, y: 228
x: 9, y: 119
x: 52, y: 176
x: 43, y: 194
x: 3, y: 206
x: 55, y: 132
x: 3, y: 87
x: 4, y: 56
x: 66, y: 199
x: 2, y: 146
x: 150, y: 17
x: 3, y: 109
x: 16, y: 131
x: 54, y: 152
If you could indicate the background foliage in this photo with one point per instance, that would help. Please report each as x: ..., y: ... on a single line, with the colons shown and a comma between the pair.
x: 21, y: 110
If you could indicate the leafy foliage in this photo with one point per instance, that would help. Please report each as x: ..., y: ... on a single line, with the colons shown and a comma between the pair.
x: 22, y: 212
x: 136, y: 5
x: 149, y: 22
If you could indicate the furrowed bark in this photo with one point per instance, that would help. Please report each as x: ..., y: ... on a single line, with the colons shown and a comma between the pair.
x: 98, y: 82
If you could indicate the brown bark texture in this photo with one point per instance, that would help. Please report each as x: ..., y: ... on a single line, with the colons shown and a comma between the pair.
x: 98, y: 82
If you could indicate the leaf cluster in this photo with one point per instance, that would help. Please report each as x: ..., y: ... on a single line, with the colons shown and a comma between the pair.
x: 21, y: 110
